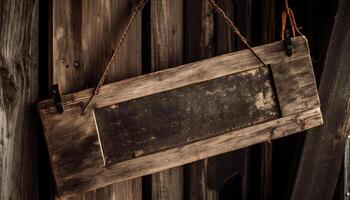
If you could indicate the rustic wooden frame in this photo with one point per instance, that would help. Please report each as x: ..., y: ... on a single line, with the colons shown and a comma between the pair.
x: 75, y: 149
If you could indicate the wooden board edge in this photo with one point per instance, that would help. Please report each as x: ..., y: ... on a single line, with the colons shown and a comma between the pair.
x: 86, y: 94
x: 203, y: 149
x: 282, y: 74
x: 44, y: 128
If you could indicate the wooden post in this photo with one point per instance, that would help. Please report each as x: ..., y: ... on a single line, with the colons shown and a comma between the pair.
x: 19, y: 25
x: 167, y: 51
x: 324, y: 146
x: 84, y: 37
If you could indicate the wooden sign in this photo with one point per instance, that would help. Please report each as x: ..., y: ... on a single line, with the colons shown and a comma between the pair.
x: 172, y: 117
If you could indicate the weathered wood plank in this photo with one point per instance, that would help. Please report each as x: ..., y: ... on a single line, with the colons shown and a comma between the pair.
x: 324, y: 147
x: 199, y: 30
x: 176, y: 77
x: 296, y: 86
x: 166, y: 51
x: 225, y: 39
x: 190, y: 152
x: 71, y: 134
x: 19, y: 25
x: 185, y: 115
x: 84, y: 35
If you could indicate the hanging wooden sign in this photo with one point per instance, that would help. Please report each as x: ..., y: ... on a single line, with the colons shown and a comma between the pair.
x: 172, y: 117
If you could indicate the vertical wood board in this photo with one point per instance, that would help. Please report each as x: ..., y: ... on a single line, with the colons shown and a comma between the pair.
x: 166, y: 20
x: 84, y: 37
x: 19, y: 60
x: 198, y: 39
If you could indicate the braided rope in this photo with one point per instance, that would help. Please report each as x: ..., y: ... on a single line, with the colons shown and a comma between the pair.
x: 235, y: 29
x: 141, y: 4
x: 293, y: 24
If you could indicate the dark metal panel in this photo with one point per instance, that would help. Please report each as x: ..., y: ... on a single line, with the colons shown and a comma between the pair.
x: 173, y: 118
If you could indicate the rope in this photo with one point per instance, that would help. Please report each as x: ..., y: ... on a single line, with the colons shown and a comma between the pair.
x: 140, y: 5
x: 289, y: 12
x: 235, y: 29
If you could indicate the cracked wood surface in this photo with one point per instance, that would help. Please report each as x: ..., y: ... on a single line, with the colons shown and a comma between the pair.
x: 19, y: 88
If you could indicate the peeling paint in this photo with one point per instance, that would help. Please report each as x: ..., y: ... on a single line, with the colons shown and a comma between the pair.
x: 264, y: 100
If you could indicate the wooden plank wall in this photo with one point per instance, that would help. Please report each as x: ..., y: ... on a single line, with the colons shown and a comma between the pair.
x: 166, y: 42
x: 208, y: 35
x: 19, y: 60
x: 84, y: 38
x: 83, y: 35
x: 169, y: 33
x: 267, y: 34
x: 198, y: 45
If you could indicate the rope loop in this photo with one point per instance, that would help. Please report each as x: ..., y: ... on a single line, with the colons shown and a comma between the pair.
x: 290, y: 14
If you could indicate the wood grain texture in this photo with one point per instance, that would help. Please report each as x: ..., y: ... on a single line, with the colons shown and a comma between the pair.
x: 84, y: 35
x: 167, y: 51
x: 176, y: 77
x: 324, y: 147
x: 19, y: 25
x: 225, y: 39
x: 70, y: 133
x: 268, y: 21
x: 194, y: 151
x: 199, y: 24
x: 296, y: 86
